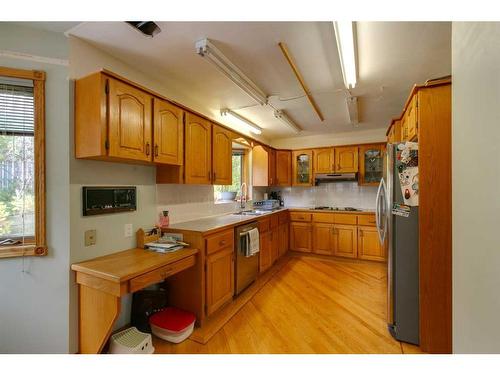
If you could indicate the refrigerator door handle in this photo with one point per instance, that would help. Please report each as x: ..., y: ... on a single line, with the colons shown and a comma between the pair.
x: 379, y: 215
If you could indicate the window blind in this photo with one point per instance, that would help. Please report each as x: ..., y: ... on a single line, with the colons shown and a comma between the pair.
x: 16, y: 110
x: 17, y: 201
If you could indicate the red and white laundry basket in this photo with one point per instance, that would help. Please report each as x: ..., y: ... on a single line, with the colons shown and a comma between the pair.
x: 172, y: 324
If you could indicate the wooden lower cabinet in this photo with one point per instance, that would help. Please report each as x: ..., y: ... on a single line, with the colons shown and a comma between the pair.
x: 274, y: 244
x: 284, y: 233
x: 301, y: 237
x: 220, y: 278
x: 322, y: 238
x: 265, y: 257
x: 369, y: 247
x: 345, y: 241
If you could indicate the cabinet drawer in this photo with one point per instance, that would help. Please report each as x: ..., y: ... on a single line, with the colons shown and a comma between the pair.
x: 345, y: 219
x: 220, y: 241
x: 300, y: 216
x: 274, y: 221
x: 264, y: 224
x: 323, y: 217
x: 366, y: 220
x: 160, y: 274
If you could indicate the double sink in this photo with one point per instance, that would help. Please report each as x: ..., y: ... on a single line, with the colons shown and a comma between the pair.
x: 250, y: 212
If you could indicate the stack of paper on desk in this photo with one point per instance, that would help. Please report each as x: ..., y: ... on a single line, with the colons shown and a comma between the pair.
x: 163, y: 247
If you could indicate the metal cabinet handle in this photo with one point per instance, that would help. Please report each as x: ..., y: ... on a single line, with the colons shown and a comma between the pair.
x: 147, y: 149
x: 156, y: 150
x: 222, y: 243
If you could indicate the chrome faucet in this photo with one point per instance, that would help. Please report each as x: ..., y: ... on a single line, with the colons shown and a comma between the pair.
x: 243, y: 197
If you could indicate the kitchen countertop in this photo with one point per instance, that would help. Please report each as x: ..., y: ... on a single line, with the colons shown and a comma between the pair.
x: 216, y: 223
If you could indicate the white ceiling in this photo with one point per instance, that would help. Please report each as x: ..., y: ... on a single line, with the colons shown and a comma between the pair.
x: 392, y: 56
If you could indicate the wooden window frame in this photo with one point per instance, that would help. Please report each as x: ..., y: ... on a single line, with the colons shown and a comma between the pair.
x: 38, y: 247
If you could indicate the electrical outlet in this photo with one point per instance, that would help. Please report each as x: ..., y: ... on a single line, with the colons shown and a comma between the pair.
x: 128, y: 230
x: 90, y: 237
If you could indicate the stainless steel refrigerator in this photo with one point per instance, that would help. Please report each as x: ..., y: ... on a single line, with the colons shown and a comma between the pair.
x: 397, y: 225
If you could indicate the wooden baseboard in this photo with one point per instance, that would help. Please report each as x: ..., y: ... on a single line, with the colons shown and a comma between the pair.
x: 330, y: 258
x: 213, y: 324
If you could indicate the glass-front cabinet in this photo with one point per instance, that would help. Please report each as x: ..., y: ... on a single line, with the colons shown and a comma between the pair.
x: 371, y: 164
x: 302, y: 168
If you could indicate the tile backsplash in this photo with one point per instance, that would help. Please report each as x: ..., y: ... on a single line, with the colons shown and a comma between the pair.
x: 190, y: 202
x: 340, y: 194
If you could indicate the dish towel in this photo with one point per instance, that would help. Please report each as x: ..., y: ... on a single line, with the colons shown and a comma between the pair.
x: 253, y: 242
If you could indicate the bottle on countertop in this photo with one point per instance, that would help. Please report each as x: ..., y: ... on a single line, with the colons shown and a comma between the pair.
x: 164, y: 219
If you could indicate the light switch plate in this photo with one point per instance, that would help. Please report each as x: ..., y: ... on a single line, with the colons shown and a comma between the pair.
x: 90, y: 237
x: 128, y: 230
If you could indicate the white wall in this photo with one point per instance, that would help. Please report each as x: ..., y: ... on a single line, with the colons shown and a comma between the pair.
x: 331, y: 139
x: 34, y: 304
x: 476, y: 181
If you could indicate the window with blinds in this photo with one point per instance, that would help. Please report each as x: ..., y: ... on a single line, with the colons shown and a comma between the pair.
x: 17, y: 185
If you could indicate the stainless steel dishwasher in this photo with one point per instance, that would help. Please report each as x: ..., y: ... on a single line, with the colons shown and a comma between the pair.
x: 246, y: 267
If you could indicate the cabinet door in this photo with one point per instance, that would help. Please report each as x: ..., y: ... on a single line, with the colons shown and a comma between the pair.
x: 222, y: 156
x: 404, y: 128
x: 302, y: 168
x: 300, y: 237
x: 220, y: 279
x: 346, y: 159
x: 265, y: 258
x: 322, y: 238
x: 283, y: 239
x: 412, y: 118
x: 129, y: 122
x: 168, y: 133
x: 324, y: 160
x: 260, y: 166
x: 345, y: 241
x: 198, y: 158
x: 283, y: 168
x: 274, y: 244
x: 272, y: 167
x: 369, y: 247
x: 371, y: 164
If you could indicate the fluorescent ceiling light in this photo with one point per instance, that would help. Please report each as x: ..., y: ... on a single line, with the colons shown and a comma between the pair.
x: 352, y: 108
x: 206, y: 49
x: 279, y: 114
x: 242, y: 120
x: 344, y: 32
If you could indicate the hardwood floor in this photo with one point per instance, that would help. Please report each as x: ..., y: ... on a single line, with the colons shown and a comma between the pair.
x: 310, y: 306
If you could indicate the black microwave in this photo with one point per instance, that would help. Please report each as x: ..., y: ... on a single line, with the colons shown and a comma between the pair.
x: 99, y: 200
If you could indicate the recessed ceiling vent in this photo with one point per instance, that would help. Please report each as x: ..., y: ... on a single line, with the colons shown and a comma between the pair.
x: 148, y: 28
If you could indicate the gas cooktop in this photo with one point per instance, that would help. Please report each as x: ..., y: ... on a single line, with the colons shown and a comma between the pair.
x: 336, y: 208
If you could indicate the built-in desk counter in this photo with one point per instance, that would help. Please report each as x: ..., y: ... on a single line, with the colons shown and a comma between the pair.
x: 102, y: 281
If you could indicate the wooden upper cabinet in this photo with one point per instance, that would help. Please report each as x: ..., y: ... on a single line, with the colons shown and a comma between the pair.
x: 394, y: 135
x: 371, y: 164
x: 272, y: 166
x: 302, y: 165
x: 129, y: 122
x: 168, y: 133
x: 283, y: 168
x: 263, y: 166
x: 198, y: 153
x: 346, y: 159
x: 411, y: 116
x: 324, y: 160
x: 222, y: 159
